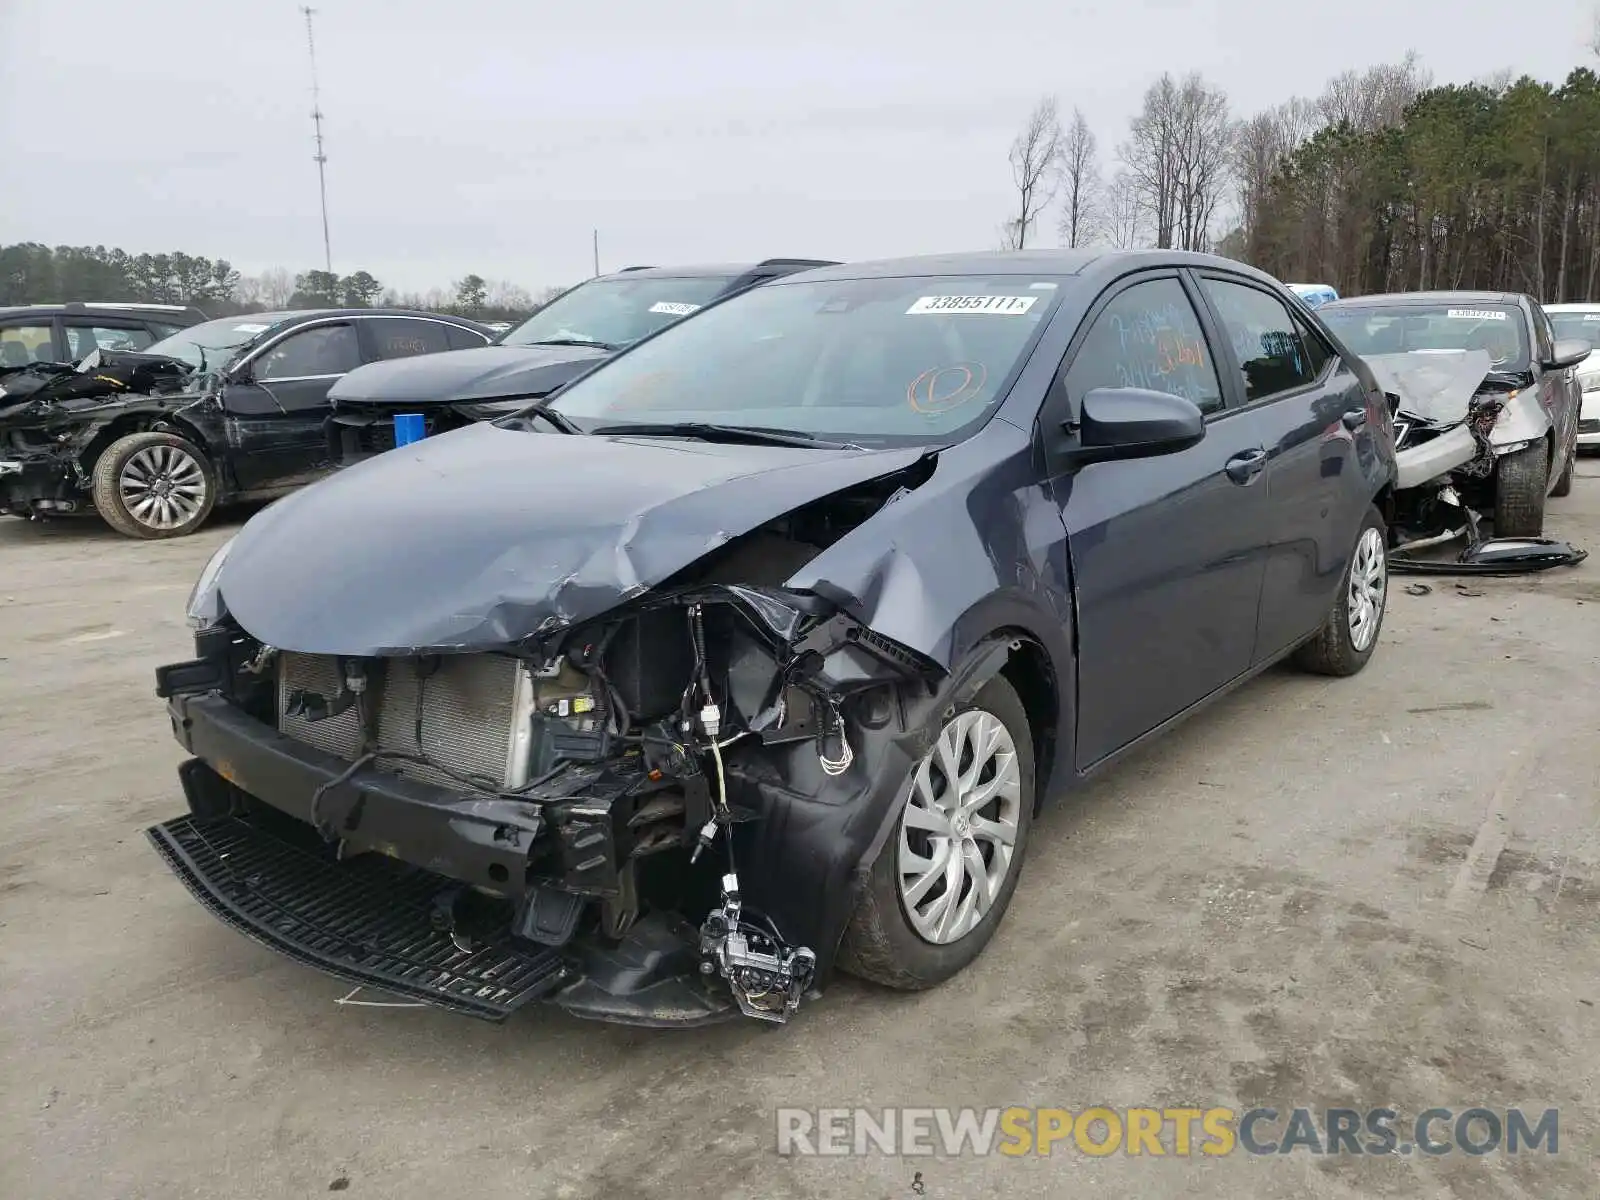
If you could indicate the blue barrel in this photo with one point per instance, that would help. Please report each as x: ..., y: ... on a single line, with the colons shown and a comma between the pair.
x: 408, y: 428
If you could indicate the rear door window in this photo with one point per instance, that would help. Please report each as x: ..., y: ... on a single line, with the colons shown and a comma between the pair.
x: 1265, y: 339
x: 404, y: 337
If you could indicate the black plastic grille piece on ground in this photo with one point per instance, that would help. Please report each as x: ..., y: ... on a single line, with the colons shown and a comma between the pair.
x: 368, y: 920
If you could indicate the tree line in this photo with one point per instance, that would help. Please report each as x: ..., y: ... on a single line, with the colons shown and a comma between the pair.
x: 1383, y: 182
x: 33, y: 273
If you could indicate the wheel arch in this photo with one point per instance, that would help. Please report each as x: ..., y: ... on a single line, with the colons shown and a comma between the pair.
x: 1038, y: 662
x: 143, y: 421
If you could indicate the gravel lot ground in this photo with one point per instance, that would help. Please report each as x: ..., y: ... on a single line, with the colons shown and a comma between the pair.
x: 1379, y: 891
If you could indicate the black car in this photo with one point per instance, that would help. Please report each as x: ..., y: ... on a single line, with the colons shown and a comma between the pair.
x: 222, y: 411
x: 755, y: 651
x: 54, y: 333
x: 573, y: 332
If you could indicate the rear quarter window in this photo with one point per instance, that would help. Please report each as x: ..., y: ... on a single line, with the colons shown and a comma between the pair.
x: 464, y: 339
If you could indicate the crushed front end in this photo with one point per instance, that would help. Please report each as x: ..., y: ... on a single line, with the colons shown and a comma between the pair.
x: 51, y: 415
x: 655, y: 817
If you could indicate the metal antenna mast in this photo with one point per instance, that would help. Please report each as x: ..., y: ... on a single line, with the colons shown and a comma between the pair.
x: 321, y: 159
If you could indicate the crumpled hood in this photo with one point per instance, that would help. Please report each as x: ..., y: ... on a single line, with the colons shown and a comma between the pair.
x: 480, y: 537
x: 1436, y: 386
x: 105, y: 379
x: 486, y: 373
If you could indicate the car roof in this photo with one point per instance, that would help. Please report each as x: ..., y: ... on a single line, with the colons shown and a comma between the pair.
x: 1577, y: 306
x: 1032, y: 262
x: 107, y: 308
x: 307, y: 314
x: 1461, y: 297
x: 717, y: 270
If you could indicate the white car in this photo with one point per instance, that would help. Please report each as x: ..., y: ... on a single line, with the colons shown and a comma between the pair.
x: 1583, y: 321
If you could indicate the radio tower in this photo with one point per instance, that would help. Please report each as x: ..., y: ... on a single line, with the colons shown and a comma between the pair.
x: 321, y: 159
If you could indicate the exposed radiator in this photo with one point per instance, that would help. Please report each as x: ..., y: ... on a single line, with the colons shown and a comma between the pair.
x: 470, y: 706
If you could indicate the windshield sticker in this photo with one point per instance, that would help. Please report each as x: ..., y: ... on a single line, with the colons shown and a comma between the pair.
x: 998, y: 306
x: 1591, y: 316
x: 1045, y: 287
x: 940, y: 389
x: 1475, y: 314
x: 250, y: 328
x: 673, y: 309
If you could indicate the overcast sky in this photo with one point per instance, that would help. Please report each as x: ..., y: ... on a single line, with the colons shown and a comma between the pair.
x: 491, y: 136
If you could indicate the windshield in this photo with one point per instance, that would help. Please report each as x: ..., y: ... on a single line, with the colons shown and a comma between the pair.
x: 1398, y: 328
x: 616, y: 312
x: 868, y: 361
x: 1585, y: 326
x: 211, y: 344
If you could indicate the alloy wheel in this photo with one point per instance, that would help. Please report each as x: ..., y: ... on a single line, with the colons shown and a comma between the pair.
x: 163, y: 487
x: 958, y: 831
x: 1369, y: 589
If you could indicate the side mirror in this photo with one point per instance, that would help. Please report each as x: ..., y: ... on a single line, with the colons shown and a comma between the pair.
x: 1568, y: 352
x: 1134, y: 423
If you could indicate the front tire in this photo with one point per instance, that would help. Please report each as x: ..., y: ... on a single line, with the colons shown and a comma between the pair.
x: 154, y: 485
x: 943, y: 880
x: 1564, y: 484
x: 1349, y: 634
x: 1520, y: 481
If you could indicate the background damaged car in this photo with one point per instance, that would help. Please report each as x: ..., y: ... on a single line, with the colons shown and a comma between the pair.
x: 571, y: 334
x: 1487, y: 405
x: 752, y: 654
x: 218, y: 412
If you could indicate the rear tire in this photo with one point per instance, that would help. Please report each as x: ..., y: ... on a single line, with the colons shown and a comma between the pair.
x: 154, y: 485
x: 1349, y: 633
x: 1520, y: 482
x: 886, y: 944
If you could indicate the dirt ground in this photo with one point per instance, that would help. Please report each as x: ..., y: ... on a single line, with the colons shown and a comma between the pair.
x: 1382, y: 891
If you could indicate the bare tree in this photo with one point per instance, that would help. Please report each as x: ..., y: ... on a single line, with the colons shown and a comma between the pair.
x: 1260, y: 146
x: 1376, y: 98
x: 1035, y: 169
x: 508, y: 296
x: 1080, y: 181
x: 1205, y: 155
x: 247, y: 291
x: 1122, y: 217
x: 277, y: 287
x: 1178, y: 154
x: 1594, y: 36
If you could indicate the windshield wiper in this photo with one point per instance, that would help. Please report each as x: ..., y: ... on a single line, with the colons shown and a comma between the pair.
x: 708, y: 432
x: 542, y: 409
x: 595, y: 342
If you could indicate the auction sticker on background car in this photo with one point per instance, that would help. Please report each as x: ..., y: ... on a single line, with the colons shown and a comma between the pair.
x: 1005, y: 306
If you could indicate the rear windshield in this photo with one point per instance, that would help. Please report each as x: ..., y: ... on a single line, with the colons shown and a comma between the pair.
x: 1399, y: 328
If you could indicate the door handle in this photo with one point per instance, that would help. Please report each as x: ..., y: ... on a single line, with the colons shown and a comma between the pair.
x: 1246, y: 466
x: 1354, y: 418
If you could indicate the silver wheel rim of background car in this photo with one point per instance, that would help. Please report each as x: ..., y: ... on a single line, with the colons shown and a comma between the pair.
x: 1369, y: 576
x: 162, y: 487
x: 959, y: 829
